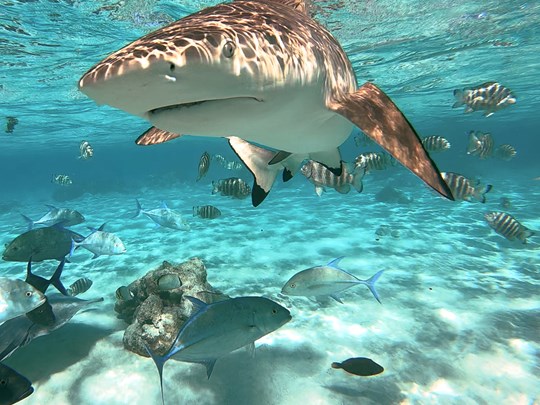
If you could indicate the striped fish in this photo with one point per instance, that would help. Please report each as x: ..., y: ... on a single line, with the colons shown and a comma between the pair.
x: 463, y: 189
x: 206, y: 212
x: 509, y: 227
x: 374, y: 161
x: 85, y: 150
x: 80, y: 286
x: 204, y: 165
x: 322, y: 177
x: 61, y: 179
x: 232, y: 187
x: 435, y: 143
x: 505, y: 152
x: 480, y: 144
x: 489, y: 96
x: 10, y: 124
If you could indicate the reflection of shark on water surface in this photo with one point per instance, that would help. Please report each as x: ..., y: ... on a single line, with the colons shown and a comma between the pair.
x: 257, y: 71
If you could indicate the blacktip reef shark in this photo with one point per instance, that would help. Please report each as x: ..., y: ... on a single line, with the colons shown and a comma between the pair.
x: 255, y: 71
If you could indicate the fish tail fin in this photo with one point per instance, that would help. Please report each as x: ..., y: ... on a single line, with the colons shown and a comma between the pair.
x: 215, y: 187
x: 357, y: 177
x: 159, y: 361
x: 195, y: 211
x: 526, y: 233
x: 458, y: 94
x: 370, y: 283
x: 257, y: 160
x: 73, y: 247
x: 55, y: 279
x: 481, y: 191
x: 29, y: 221
x: 139, y: 209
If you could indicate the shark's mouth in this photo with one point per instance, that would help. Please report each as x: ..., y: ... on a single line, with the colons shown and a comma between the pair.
x: 195, y: 103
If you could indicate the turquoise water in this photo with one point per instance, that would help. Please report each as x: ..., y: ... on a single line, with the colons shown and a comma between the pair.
x: 459, y: 320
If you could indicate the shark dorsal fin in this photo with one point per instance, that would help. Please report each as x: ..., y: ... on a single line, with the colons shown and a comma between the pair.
x: 302, y: 6
x: 154, y: 136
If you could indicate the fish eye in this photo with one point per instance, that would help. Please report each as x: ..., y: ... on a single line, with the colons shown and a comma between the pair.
x: 3, y: 382
x: 274, y: 311
x: 28, y: 293
x: 293, y: 285
x: 228, y: 49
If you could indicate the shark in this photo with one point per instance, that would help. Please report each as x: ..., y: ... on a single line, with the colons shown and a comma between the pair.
x: 266, y: 76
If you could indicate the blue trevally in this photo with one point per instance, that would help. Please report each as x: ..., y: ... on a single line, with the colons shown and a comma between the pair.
x: 17, y: 297
x: 326, y: 280
x: 63, y: 216
x: 164, y: 216
x: 100, y: 243
x: 217, y: 329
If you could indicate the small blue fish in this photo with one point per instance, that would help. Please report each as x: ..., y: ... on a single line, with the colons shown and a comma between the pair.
x: 100, y: 243
x: 327, y: 280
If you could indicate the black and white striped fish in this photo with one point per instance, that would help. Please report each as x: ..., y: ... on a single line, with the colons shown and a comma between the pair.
x: 505, y: 152
x: 85, y: 150
x: 489, y: 96
x: 374, y: 161
x: 228, y: 164
x: 80, y: 286
x: 435, y: 143
x: 232, y: 187
x: 206, y: 212
x: 204, y: 165
x: 509, y: 227
x: 61, y: 179
x: 322, y: 177
x: 480, y: 144
x: 463, y: 189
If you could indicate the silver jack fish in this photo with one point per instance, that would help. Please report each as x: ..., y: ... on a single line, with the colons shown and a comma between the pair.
x: 435, y: 143
x: 463, y: 188
x: 214, y: 330
x: 204, y: 165
x: 232, y: 187
x: 509, y: 227
x: 327, y: 280
x: 489, y: 96
x: 320, y: 176
x: 259, y: 72
x: 374, y: 161
x: 62, y: 216
x: 206, y: 211
x: 61, y: 179
x: 505, y: 152
x: 85, y: 150
x: 17, y: 297
x: 480, y: 144
x: 164, y: 216
x: 100, y: 243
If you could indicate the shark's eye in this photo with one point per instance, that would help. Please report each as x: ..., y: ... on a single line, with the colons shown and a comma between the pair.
x: 228, y: 49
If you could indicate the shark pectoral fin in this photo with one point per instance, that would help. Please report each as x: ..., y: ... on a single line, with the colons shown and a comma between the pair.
x: 154, y: 136
x: 331, y: 159
x: 378, y: 117
x: 256, y: 160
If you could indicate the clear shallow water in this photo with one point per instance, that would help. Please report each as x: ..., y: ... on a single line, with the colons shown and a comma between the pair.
x: 472, y: 338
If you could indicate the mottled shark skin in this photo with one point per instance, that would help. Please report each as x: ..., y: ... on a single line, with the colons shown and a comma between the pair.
x: 258, y: 71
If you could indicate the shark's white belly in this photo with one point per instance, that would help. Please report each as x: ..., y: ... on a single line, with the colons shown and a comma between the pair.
x: 293, y: 120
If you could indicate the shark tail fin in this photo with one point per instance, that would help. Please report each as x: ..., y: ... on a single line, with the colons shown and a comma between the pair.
x: 29, y: 222
x: 370, y: 283
x: 370, y: 109
x: 159, y: 362
x: 55, y: 279
x: 256, y: 159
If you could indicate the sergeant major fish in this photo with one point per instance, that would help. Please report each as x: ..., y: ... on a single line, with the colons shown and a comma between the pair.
x: 374, y: 161
x: 259, y: 72
x: 79, y: 286
x: 509, y: 227
x: 232, y: 187
x: 164, y: 216
x: 61, y: 179
x: 214, y: 330
x: 85, y: 150
x: 63, y: 216
x: 100, y: 243
x: 206, y: 212
x: 505, y: 152
x: 480, y: 144
x: 204, y: 165
x: 322, y: 177
x: 327, y: 280
x: 435, y: 143
x: 489, y: 96
x: 463, y: 189
x: 17, y: 297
